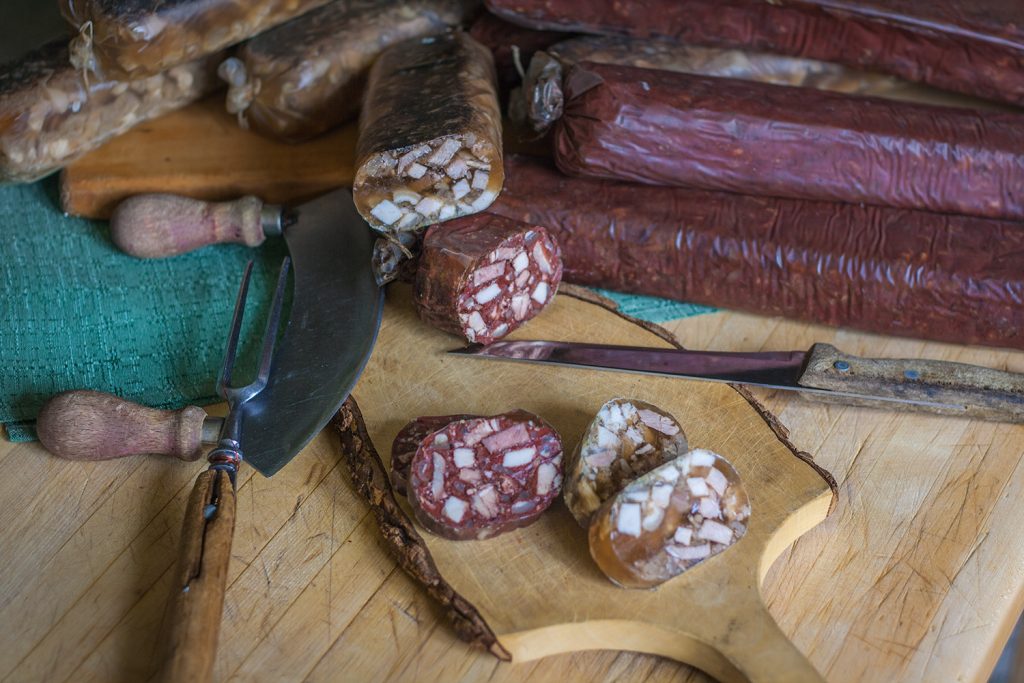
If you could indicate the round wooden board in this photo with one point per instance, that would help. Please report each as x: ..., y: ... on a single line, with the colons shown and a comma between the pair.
x: 537, y: 587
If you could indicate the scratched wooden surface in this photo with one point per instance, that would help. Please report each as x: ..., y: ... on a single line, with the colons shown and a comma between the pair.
x: 917, y: 575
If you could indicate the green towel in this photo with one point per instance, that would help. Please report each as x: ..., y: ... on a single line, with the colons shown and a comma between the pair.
x: 78, y: 314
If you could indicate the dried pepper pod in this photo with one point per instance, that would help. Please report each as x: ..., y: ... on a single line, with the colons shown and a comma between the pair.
x: 666, y: 128
x: 626, y: 439
x: 133, y: 38
x: 408, y: 441
x: 483, y: 476
x: 307, y: 76
x: 668, y: 520
x: 429, y: 134
x: 50, y: 114
x: 482, y: 276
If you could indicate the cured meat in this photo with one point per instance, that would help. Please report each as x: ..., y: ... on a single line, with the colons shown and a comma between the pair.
x: 976, y: 50
x: 626, y: 439
x: 50, y: 114
x: 668, y: 520
x: 409, y: 439
x: 679, y: 129
x: 482, y: 276
x: 509, y: 42
x: 911, y: 273
x: 542, y: 87
x: 122, y: 38
x: 481, y: 477
x: 429, y: 134
x: 307, y: 76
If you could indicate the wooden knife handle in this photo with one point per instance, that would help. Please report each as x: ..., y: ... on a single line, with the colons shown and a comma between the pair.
x: 89, y: 425
x: 160, y: 225
x: 197, y: 594
x: 983, y: 393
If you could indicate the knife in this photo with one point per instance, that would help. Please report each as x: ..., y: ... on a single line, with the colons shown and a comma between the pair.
x: 327, y: 340
x: 822, y: 373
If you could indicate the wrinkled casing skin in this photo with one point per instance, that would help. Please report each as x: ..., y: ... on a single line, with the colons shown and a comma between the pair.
x: 664, y: 128
x: 910, y: 273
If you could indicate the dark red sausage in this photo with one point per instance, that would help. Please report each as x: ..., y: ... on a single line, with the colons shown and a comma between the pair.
x: 482, y: 276
x: 977, y: 52
x: 909, y: 273
x: 680, y: 129
x: 409, y: 439
x: 483, y: 476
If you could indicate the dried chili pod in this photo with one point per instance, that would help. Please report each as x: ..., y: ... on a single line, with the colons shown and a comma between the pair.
x: 626, y: 439
x: 50, y: 113
x: 429, y: 134
x: 307, y: 76
x: 670, y: 519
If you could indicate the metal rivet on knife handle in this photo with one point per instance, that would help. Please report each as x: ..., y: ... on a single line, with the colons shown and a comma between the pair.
x: 90, y: 425
x: 161, y: 225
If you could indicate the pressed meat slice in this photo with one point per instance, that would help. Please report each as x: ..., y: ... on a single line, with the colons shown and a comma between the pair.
x: 483, y: 476
x: 409, y: 439
x: 670, y: 519
x: 483, y: 276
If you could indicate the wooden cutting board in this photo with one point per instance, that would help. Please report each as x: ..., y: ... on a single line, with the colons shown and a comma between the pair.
x: 536, y: 588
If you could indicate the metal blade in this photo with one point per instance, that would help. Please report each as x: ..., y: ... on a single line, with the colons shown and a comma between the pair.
x: 336, y: 313
x: 770, y: 369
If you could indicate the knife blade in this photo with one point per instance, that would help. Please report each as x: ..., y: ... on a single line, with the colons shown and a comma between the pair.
x: 823, y: 373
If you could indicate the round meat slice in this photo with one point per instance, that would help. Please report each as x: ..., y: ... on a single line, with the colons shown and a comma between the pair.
x: 626, y: 439
x: 670, y: 519
x: 483, y: 276
x: 408, y: 441
x: 483, y: 476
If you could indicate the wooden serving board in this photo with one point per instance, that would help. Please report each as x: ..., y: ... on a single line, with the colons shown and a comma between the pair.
x: 537, y: 588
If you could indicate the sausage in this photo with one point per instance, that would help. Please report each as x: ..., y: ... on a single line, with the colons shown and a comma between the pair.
x: 666, y: 128
x: 430, y: 128
x: 910, y: 273
x: 133, y: 38
x: 483, y: 476
x: 307, y: 75
x: 408, y: 441
x: 985, y: 59
x: 50, y: 114
x: 509, y: 43
x: 542, y: 86
x: 483, y: 276
x: 626, y: 439
x: 670, y: 519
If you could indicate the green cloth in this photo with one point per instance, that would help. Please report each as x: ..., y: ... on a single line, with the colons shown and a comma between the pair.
x: 78, y: 314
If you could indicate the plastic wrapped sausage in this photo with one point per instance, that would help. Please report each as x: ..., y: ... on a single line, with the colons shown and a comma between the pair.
x: 668, y: 520
x: 133, y: 38
x: 626, y: 439
x: 509, y: 43
x: 892, y: 271
x: 430, y: 129
x: 543, y: 98
x: 409, y: 439
x: 483, y: 476
x: 483, y: 276
x: 667, y: 128
x: 976, y: 50
x: 50, y: 114
x: 307, y: 76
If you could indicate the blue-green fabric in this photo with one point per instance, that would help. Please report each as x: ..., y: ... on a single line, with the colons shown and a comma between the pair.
x: 76, y: 313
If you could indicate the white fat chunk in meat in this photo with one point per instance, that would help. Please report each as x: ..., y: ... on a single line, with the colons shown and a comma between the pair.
x: 522, y: 506
x: 460, y: 189
x: 670, y: 474
x: 523, y: 278
x: 661, y: 494
x: 386, y: 212
x: 606, y: 438
x: 444, y: 153
x: 416, y: 171
x: 455, y: 509
x: 542, y: 259
x: 701, y: 458
x: 540, y: 293
x: 428, y: 206
x: 613, y: 418
x: 500, y: 331
x: 515, y: 435
x: 520, y: 306
x: 470, y: 476
x: 456, y: 169
x: 447, y: 212
x: 437, y: 480
x: 485, y: 502
x: 440, y: 439
x: 488, y: 294
x: 480, y: 180
x: 545, y: 478
x: 653, y: 519
x: 709, y: 507
x: 411, y: 156
x: 405, y: 197
x: 520, y: 262
x: 519, y: 457
x: 408, y: 220
x: 684, y: 535
x: 628, y: 521
x: 464, y: 457
x: 639, y: 495
x: 658, y: 423
x: 697, y: 486
x: 634, y: 435
x: 601, y: 457
x: 488, y: 272
x: 717, y: 481
x: 476, y: 322
x: 716, y: 532
x: 484, y: 200
x: 697, y: 552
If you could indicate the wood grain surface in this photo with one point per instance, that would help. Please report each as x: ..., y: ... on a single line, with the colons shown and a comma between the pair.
x: 915, y: 576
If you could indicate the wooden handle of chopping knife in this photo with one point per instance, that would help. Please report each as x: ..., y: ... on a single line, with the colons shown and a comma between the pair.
x: 90, y: 425
x: 160, y: 225
x: 197, y: 596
